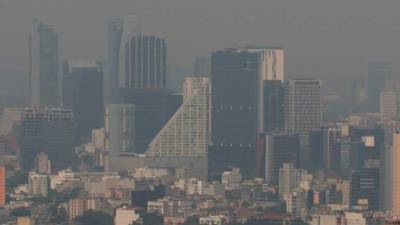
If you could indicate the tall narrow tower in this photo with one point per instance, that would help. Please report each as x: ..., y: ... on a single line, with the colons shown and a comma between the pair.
x: 396, y: 174
x: 43, y: 66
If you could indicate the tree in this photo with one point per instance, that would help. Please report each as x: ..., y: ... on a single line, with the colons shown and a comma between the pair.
x: 18, y: 212
x: 94, y: 218
x: 16, y: 180
x: 58, y: 215
x: 151, y: 219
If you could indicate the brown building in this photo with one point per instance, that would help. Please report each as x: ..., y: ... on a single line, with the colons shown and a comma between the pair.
x: 396, y: 174
x: 2, y: 186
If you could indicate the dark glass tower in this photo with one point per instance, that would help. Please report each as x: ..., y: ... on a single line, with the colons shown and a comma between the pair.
x: 364, y: 188
x: 51, y: 131
x: 83, y: 93
x: 114, y: 35
x: 236, y: 110
x: 273, y: 105
x: 145, y: 64
x: 43, y: 66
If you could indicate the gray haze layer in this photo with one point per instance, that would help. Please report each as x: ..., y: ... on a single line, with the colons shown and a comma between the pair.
x: 330, y: 39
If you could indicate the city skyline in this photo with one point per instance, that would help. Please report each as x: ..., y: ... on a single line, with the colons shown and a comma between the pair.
x: 268, y: 115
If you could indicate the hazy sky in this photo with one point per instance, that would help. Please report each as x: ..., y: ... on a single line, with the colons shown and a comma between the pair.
x: 338, y: 35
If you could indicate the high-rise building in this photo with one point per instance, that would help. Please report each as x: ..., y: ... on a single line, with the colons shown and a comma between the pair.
x: 280, y: 148
x: 388, y: 103
x: 273, y: 105
x: 273, y: 62
x: 186, y: 134
x: 3, y: 191
x: 364, y: 188
x: 43, y: 66
x: 202, y: 67
x: 367, y: 147
x: 83, y: 93
x: 51, y: 131
x: 302, y: 106
x: 42, y: 163
x: 115, y: 27
x: 290, y: 179
x: 120, y: 31
x: 38, y: 184
x: 396, y: 174
x: 153, y: 109
x: 120, y: 128
x: 236, y: 117
x: 379, y: 78
x: 145, y: 64
x: 325, y: 148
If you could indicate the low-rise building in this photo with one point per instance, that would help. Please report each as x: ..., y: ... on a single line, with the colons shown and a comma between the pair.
x: 125, y: 216
x: 38, y: 184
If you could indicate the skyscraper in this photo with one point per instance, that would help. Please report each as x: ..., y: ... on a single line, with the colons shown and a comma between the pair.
x: 302, y: 106
x: 153, y: 108
x: 114, y: 35
x: 396, y: 174
x: 280, y: 148
x: 364, y: 188
x: 273, y: 105
x: 120, y: 31
x: 272, y: 62
x: 145, y: 64
x: 236, y: 117
x: 379, y: 78
x: 120, y: 128
x: 3, y: 191
x: 51, y: 131
x: 83, y: 93
x: 43, y: 66
x: 186, y: 134
x: 388, y: 103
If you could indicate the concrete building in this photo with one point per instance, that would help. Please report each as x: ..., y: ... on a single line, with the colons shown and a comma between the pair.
x: 291, y: 179
x: 26, y: 221
x: 213, y: 220
x: 354, y: 218
x: 38, y: 184
x: 42, y: 163
x: 82, y: 91
x: 3, y: 189
x: 326, y: 219
x: 273, y: 62
x: 231, y: 179
x: 303, y: 106
x: 78, y: 206
x: 388, y: 103
x: 125, y: 216
x: 296, y: 202
x: 186, y: 134
x: 120, y: 128
x: 43, y: 66
x: 157, y: 207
